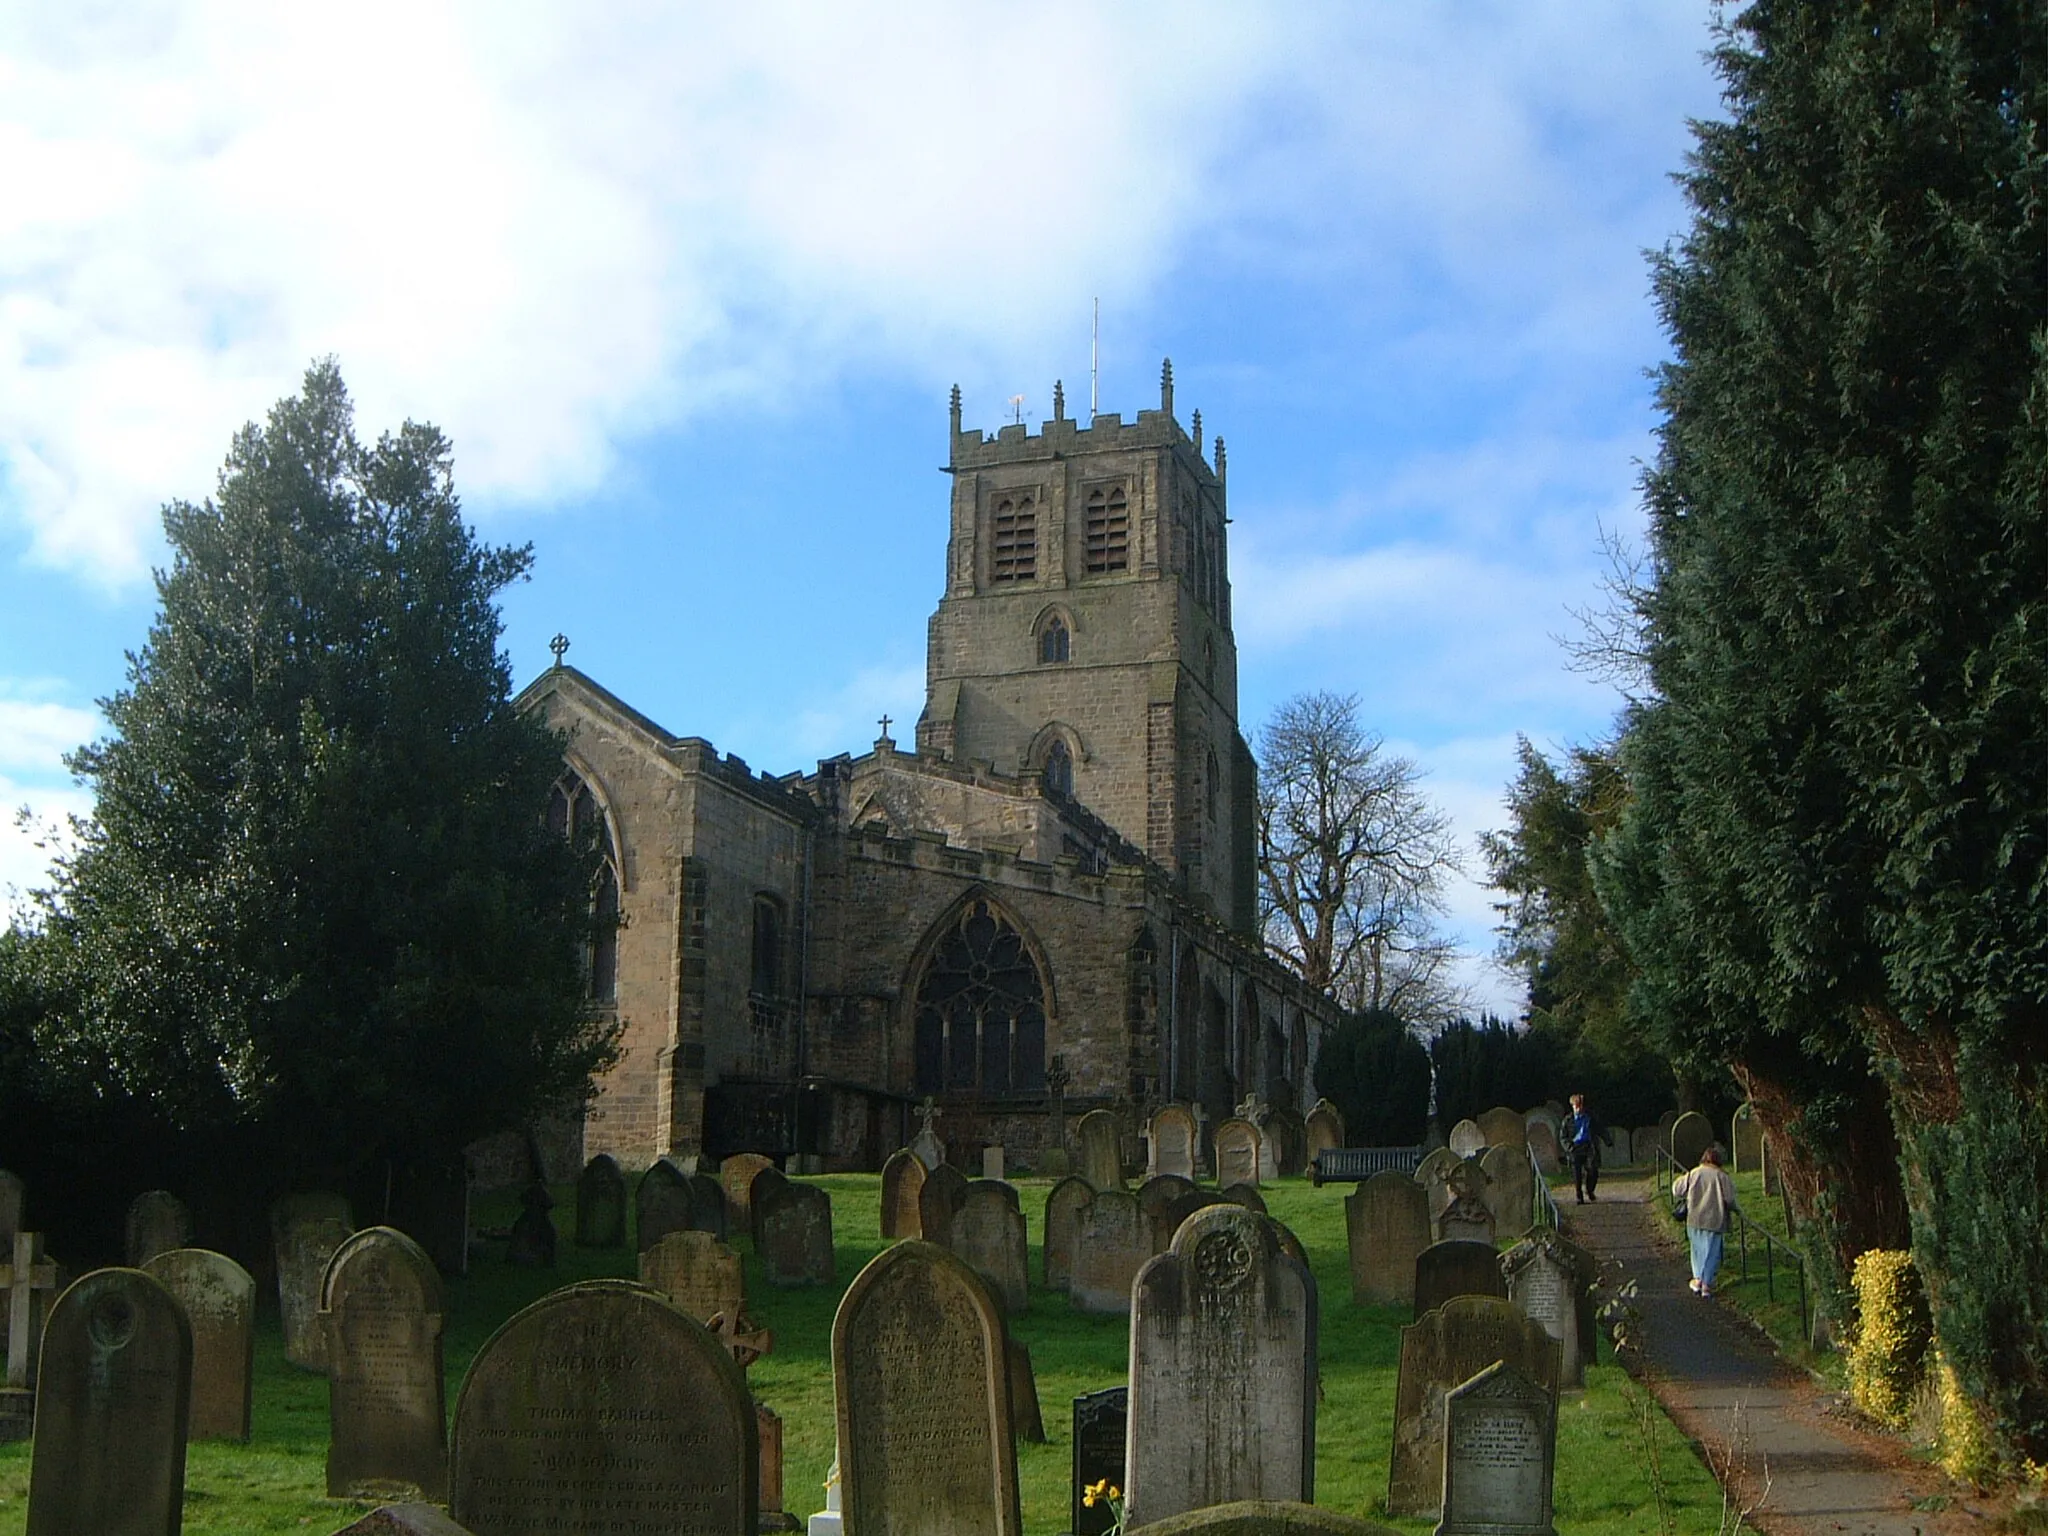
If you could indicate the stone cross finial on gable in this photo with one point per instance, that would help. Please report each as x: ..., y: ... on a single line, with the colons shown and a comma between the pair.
x: 560, y: 646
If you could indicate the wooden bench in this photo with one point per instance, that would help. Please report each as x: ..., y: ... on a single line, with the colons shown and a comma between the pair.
x: 1357, y: 1164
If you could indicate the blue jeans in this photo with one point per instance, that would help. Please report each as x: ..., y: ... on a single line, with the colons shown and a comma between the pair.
x: 1706, y: 1254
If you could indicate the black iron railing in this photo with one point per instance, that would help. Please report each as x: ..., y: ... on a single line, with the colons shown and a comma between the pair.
x: 1776, y: 1251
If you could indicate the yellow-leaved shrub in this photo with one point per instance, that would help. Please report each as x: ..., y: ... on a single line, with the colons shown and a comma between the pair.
x: 1889, y: 1357
x: 1963, y: 1445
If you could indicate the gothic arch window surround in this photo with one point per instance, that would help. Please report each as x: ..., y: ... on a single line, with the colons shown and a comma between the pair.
x: 1055, y: 637
x: 980, y: 1006
x: 574, y: 810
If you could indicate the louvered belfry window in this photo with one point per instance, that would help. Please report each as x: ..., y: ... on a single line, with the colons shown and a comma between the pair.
x: 1108, y: 531
x: 1013, y: 549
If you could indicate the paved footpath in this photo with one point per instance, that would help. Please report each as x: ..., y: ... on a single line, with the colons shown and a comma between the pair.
x: 1713, y: 1371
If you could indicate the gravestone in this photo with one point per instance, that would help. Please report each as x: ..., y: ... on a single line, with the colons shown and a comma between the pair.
x: 1746, y: 1140
x: 768, y: 1482
x: 1180, y: 1209
x: 1551, y: 1279
x: 662, y: 1203
x: 920, y: 1378
x: 1500, y: 1452
x: 902, y: 1183
x: 1113, y: 1240
x: 1691, y: 1134
x: 601, y: 1204
x: 1462, y: 1199
x: 1237, y: 1153
x: 736, y: 1182
x: 1436, y: 1165
x: 929, y: 1149
x: 1466, y: 1139
x: 305, y: 1230
x: 1325, y: 1128
x: 1440, y: 1350
x: 1643, y: 1142
x: 1511, y: 1189
x: 1101, y: 1137
x: 381, y: 1312
x: 1386, y: 1221
x: 219, y: 1298
x: 1503, y: 1127
x: 31, y: 1282
x: 988, y: 1236
x: 602, y: 1407
x: 1052, y: 1157
x: 12, y: 1195
x: 1170, y: 1138
x: 1457, y: 1267
x: 1156, y: 1196
x: 1246, y: 1195
x: 698, y: 1273
x: 1099, y: 1426
x: 707, y: 1205
x: 992, y: 1164
x: 532, y: 1244
x: 1467, y: 1220
x: 110, y: 1411
x: 405, y: 1520
x: 793, y: 1232
x: 1623, y: 1152
x: 158, y: 1221
x: 1026, y: 1418
x: 1062, y: 1212
x: 826, y: 1522
x: 944, y: 1188
x: 1287, y: 1133
x: 1223, y: 1371
x: 1266, y: 1517
x: 1665, y: 1122
x: 1543, y: 1146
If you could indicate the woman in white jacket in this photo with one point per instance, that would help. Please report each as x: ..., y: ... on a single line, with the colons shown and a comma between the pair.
x: 1709, y: 1196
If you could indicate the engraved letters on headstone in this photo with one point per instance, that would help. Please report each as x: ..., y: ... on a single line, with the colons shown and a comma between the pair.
x: 381, y: 1313
x: 1500, y: 1449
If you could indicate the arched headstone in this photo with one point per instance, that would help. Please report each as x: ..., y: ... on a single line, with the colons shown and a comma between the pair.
x: 158, y: 1221
x: 1062, y: 1213
x: 1436, y: 1165
x: 1441, y: 1350
x: 793, y: 1232
x: 1746, y: 1140
x: 1543, y: 1145
x: 903, y: 1178
x: 944, y: 1188
x: 1511, y: 1191
x: 661, y: 1203
x: 1237, y: 1153
x: 1156, y: 1197
x: 1466, y: 1139
x: 1691, y: 1134
x: 1457, y: 1267
x: 1101, y: 1137
x: 1503, y: 1127
x: 1386, y: 1221
x: 219, y: 1298
x: 601, y: 1204
x: 1113, y: 1239
x: 698, y: 1273
x: 381, y: 1312
x: 1325, y: 1128
x: 988, y: 1236
x: 305, y: 1230
x: 736, y: 1179
x: 1171, y: 1139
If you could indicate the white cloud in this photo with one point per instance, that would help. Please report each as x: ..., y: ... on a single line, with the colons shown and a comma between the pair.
x: 34, y: 829
x: 35, y: 734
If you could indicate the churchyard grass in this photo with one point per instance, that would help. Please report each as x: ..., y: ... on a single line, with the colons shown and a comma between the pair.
x: 274, y: 1483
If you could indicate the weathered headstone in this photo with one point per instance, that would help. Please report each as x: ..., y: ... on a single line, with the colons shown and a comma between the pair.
x: 929, y: 1149
x: 1062, y: 1213
x: 1457, y: 1267
x: 111, y: 1399
x: 793, y: 1230
x: 601, y: 1204
x: 1746, y: 1140
x: 532, y: 1244
x: 1181, y: 1208
x: 1237, y: 1153
x: 988, y: 1236
x: 1287, y: 1133
x: 1246, y: 1195
x: 305, y: 1230
x: 944, y: 1188
x: 405, y: 1520
x: 736, y: 1179
x: 1500, y: 1451
x: 1467, y: 1139
x: 902, y: 1182
x: 381, y: 1312
x: 1460, y: 1204
x: 1436, y: 1165
x: 1543, y: 1146
x: 1113, y: 1240
x: 992, y: 1163
x: 1503, y: 1127
x: 1550, y: 1278
x: 1691, y: 1134
x: 1100, y: 1420
x: 1623, y: 1153
x: 1101, y: 1137
x: 920, y: 1376
x: 1439, y: 1350
x: 1665, y: 1122
x: 219, y: 1298
x: 1170, y: 1139
x: 158, y: 1221
x: 1387, y: 1223
x: 1027, y: 1420
x: 1223, y: 1371
x: 31, y: 1284
x: 1467, y: 1220
x: 662, y: 1203
x: 698, y: 1273
x: 1511, y: 1189
x: 1325, y: 1127
x: 1157, y: 1195
x: 1266, y: 1517
x: 768, y: 1435
x: 603, y: 1407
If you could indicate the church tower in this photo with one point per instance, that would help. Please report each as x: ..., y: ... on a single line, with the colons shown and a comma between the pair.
x: 1084, y: 636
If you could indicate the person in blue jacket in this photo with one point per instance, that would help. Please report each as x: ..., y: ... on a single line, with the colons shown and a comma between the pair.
x: 1584, y: 1135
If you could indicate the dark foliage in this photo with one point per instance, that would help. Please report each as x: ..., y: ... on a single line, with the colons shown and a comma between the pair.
x: 1377, y: 1074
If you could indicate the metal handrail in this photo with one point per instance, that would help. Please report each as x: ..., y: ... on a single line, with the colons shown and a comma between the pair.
x: 1667, y: 1174
x: 1545, y: 1213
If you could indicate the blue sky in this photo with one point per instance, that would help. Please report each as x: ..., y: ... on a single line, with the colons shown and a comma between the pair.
x: 687, y: 285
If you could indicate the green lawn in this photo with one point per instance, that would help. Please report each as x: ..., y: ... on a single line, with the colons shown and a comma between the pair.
x: 274, y: 1483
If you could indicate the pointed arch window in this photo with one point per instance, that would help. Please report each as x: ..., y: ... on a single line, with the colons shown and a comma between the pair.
x: 574, y: 812
x: 1214, y: 784
x: 980, y: 1022
x: 1058, y: 775
x: 1013, y: 543
x: 1055, y: 642
x: 1107, y: 532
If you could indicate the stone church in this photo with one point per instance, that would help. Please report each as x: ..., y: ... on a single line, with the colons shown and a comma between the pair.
x: 1054, y: 892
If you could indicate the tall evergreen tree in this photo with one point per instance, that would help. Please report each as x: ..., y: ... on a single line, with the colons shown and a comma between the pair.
x: 316, y: 910
x: 1840, y: 834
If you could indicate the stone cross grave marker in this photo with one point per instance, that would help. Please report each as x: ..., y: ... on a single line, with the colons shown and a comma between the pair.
x: 1101, y: 1135
x: 793, y: 1232
x: 1223, y: 1371
x: 944, y: 1188
x: 1746, y: 1140
x: 736, y: 1178
x: 12, y: 1195
x: 1156, y: 1197
x: 1325, y: 1128
x: 1113, y: 1240
x: 1457, y: 1267
x: 305, y: 1230
x: 1170, y: 1137
x: 902, y: 1182
x: 1511, y: 1189
x: 1237, y: 1153
x: 1100, y: 1419
x: 988, y: 1236
x: 1691, y: 1134
x: 603, y: 1407
x: 920, y: 1376
x: 929, y: 1149
x: 157, y: 1222
x: 1551, y: 1279
x: 1386, y: 1221
x: 1052, y: 1161
x: 601, y: 1204
x: 1062, y: 1216
x: 1500, y: 1453
x: 219, y: 1298
x: 381, y: 1311
x: 698, y: 1273
x: 31, y: 1283
x: 110, y: 1411
x: 1439, y: 1350
x: 1467, y: 1139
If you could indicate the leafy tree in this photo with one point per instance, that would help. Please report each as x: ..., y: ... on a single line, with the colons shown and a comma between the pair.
x: 1352, y: 862
x: 316, y: 903
x: 1831, y: 873
x: 1376, y: 1072
x: 1477, y: 1067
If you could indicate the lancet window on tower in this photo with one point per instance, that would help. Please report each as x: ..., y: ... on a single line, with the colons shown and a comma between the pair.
x: 1108, y: 531
x: 1059, y: 769
x: 1013, y: 545
x: 980, y: 1010
x: 1054, y: 640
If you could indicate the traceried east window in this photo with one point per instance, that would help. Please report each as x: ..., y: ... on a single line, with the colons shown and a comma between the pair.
x: 1108, y: 531
x: 1013, y: 543
x: 573, y: 811
x: 1054, y: 641
x: 980, y: 1023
